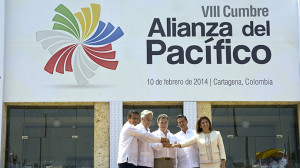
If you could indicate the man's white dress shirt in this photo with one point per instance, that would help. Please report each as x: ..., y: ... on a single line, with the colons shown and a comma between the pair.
x: 145, y: 154
x: 159, y: 150
x: 187, y: 157
x: 128, y: 146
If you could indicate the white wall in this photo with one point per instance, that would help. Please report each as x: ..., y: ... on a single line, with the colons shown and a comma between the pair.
x: 2, y: 38
x: 116, y: 124
x: 190, y: 111
x: 299, y: 32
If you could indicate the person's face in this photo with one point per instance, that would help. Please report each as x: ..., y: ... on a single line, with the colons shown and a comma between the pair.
x: 163, y: 124
x: 182, y: 123
x: 205, y: 125
x: 134, y: 120
x: 147, y: 120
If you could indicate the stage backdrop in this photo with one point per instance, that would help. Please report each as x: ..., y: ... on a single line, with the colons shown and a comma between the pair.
x: 141, y: 50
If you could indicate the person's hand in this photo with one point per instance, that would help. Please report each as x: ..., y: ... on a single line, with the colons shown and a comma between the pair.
x: 164, y: 140
x: 167, y: 145
x: 222, y: 164
x: 176, y: 145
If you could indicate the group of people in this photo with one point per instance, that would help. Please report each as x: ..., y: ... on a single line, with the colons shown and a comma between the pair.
x: 139, y: 148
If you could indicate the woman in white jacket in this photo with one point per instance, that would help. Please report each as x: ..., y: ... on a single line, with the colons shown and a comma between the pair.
x: 210, y: 144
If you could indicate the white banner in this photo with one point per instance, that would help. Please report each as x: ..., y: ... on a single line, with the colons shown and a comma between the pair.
x: 155, y: 50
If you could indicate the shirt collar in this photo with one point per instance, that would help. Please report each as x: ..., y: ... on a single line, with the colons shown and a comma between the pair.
x: 127, y: 123
x: 187, y: 131
x: 141, y: 125
x: 163, y: 133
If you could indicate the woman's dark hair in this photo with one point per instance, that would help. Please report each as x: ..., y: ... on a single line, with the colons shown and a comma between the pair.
x: 198, y: 125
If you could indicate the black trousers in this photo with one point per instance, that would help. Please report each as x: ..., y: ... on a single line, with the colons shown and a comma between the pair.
x: 126, y: 165
x: 142, y: 167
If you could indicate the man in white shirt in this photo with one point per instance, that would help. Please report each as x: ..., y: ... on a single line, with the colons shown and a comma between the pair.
x: 187, y: 157
x: 128, y: 147
x: 145, y: 154
x: 164, y: 157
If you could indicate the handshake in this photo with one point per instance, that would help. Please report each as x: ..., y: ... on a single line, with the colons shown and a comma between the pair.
x: 166, y: 143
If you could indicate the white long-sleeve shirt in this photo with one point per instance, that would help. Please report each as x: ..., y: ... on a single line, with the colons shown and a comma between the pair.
x: 145, y: 152
x: 159, y: 150
x: 128, y: 146
x: 187, y: 157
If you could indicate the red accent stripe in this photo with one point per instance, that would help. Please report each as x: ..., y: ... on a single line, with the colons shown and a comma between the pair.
x: 49, y: 67
x: 105, y: 55
x: 69, y: 61
x: 104, y: 63
x: 104, y: 48
x: 61, y: 63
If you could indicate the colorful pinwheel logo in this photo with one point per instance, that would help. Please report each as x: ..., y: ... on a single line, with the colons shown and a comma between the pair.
x: 79, y: 50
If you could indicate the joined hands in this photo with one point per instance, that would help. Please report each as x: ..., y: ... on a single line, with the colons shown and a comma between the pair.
x: 164, y: 140
x: 166, y: 143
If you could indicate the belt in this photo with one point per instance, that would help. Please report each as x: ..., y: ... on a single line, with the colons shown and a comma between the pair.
x: 164, y: 158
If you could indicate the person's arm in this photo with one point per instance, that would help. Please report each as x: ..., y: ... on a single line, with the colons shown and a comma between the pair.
x: 156, y: 146
x: 189, y: 142
x: 176, y: 146
x: 148, y: 137
x: 163, y: 140
x: 221, y: 147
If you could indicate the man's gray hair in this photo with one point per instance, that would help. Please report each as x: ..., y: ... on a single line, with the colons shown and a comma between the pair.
x: 146, y: 112
x: 162, y: 116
